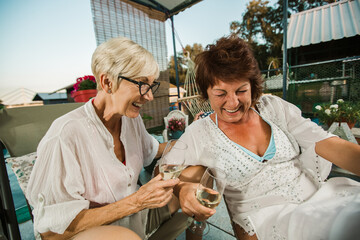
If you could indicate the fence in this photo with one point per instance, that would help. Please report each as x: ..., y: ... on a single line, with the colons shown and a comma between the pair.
x: 316, y: 83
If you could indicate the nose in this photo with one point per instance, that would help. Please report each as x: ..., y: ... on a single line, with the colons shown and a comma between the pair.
x: 232, y: 101
x: 149, y: 95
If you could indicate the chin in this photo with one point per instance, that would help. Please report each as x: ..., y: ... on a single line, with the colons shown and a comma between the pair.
x: 132, y: 115
x: 233, y: 119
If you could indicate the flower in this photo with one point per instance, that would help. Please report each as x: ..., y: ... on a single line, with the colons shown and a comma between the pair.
x: 176, y: 124
x: 84, y: 83
x: 342, y: 111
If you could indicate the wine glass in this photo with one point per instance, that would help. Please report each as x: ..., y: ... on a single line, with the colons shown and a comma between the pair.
x: 209, y: 193
x: 172, y: 161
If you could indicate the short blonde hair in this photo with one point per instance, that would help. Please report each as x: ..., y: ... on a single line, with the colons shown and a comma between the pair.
x: 122, y: 56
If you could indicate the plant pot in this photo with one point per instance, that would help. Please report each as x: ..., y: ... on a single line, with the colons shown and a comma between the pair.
x: 329, y: 123
x: 176, y: 134
x: 84, y: 95
x: 351, y: 124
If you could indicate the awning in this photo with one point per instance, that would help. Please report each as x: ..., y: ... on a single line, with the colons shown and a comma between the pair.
x: 322, y: 24
x: 161, y: 9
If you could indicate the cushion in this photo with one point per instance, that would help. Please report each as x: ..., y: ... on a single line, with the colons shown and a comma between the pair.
x: 22, y: 167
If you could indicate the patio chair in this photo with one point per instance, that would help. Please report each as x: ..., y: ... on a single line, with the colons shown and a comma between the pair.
x: 173, y: 114
x: 21, y: 129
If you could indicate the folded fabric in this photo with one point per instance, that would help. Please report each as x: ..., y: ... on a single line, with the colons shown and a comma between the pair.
x: 22, y: 167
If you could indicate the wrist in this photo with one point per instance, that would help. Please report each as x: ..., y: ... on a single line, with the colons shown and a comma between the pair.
x: 177, y: 188
x: 136, y: 202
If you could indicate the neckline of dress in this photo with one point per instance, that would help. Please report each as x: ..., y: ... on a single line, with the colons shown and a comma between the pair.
x: 240, y: 146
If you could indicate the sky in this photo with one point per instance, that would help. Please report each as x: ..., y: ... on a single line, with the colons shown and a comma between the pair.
x: 46, y: 45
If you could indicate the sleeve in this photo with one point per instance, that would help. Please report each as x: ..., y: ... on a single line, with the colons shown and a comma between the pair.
x: 303, y: 129
x: 150, y: 145
x: 194, y: 155
x: 55, y: 187
x: 306, y: 134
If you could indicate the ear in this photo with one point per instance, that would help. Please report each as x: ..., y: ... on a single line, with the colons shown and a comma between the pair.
x: 105, y: 83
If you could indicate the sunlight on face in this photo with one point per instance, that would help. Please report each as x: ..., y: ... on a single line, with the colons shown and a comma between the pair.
x: 230, y: 101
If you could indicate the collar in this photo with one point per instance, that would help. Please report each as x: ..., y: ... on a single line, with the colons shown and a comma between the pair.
x: 94, y: 118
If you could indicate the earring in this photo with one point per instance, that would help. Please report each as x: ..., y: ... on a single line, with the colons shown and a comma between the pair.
x: 109, y: 91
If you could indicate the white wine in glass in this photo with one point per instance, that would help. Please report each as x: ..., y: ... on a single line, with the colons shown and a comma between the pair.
x: 169, y: 171
x: 208, y: 197
x: 209, y: 193
x: 173, y: 160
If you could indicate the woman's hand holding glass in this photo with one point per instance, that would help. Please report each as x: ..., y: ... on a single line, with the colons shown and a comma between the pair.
x: 209, y: 193
x: 154, y: 194
x: 172, y: 161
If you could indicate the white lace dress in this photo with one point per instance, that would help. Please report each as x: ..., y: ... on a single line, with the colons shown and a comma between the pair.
x: 284, y: 197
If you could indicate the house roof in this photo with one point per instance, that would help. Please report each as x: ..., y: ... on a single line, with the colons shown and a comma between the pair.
x: 162, y: 9
x: 322, y: 24
x: 49, y: 96
x: 18, y: 96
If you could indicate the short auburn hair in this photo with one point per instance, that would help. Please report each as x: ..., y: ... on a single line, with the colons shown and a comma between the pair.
x: 228, y: 60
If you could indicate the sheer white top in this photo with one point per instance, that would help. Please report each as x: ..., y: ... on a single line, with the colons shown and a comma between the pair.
x: 77, y: 168
x: 262, y: 195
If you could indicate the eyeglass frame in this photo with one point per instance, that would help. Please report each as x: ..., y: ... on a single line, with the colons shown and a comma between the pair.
x: 139, y: 83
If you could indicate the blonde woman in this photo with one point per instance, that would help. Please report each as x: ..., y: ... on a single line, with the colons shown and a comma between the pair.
x: 88, y: 164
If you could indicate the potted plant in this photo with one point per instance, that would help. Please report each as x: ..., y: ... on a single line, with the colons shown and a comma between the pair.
x: 84, y: 88
x: 176, y: 127
x: 340, y: 112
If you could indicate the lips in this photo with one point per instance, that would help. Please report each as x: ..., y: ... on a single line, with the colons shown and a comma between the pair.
x: 232, y: 110
x: 139, y: 105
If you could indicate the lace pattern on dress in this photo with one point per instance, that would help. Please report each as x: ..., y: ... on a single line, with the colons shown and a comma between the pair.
x: 250, y: 178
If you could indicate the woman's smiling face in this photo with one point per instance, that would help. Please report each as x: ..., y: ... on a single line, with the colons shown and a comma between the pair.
x: 230, y: 101
x: 127, y: 99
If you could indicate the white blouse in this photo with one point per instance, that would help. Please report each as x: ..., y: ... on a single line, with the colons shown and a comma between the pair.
x: 262, y: 196
x: 76, y: 169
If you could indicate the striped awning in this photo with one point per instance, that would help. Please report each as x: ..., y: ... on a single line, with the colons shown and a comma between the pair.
x: 330, y: 22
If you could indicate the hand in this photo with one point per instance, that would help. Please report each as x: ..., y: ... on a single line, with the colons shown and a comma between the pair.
x: 156, y: 193
x: 190, y: 205
x: 197, y: 116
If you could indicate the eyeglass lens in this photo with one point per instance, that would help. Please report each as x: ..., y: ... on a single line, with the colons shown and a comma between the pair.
x: 144, y: 88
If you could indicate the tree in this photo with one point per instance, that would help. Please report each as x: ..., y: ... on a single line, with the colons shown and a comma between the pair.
x: 262, y: 26
x: 190, y: 51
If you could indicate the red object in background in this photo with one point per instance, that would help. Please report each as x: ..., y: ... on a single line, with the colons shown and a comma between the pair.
x: 84, y: 95
x: 351, y: 124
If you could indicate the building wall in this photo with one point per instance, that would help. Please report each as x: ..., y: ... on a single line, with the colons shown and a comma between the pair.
x: 114, y: 18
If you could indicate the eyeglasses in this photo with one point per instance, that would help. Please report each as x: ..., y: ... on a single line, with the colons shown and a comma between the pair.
x: 143, y: 87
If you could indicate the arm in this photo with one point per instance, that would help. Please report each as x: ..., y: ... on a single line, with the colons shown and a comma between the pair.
x: 186, y: 190
x: 340, y: 152
x: 161, y: 149
x: 336, y: 150
x: 156, y: 193
x: 197, y: 116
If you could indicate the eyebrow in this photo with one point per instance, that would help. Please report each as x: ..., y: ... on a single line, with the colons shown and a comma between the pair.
x: 216, y: 89
x: 143, y: 79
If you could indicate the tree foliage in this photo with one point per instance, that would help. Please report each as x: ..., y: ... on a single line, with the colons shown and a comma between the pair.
x: 189, y: 51
x: 262, y: 27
